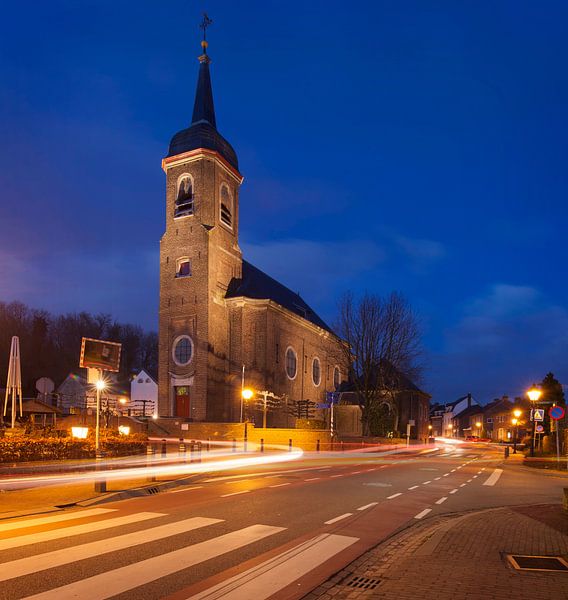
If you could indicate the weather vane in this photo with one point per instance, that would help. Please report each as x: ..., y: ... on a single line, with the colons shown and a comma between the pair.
x: 204, y: 25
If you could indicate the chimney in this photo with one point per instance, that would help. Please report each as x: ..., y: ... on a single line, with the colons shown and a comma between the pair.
x: 469, y: 400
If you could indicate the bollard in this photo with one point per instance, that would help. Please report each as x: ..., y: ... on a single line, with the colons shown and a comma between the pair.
x: 182, y: 448
x: 289, y: 445
x: 506, y: 451
x: 150, y: 453
x: 317, y: 446
x: 192, y: 451
x: 199, y: 452
x: 262, y: 444
x: 234, y: 445
x: 164, y: 449
x: 207, y: 446
x: 100, y: 484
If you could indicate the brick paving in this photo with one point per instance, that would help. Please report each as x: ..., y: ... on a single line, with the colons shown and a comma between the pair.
x: 462, y: 557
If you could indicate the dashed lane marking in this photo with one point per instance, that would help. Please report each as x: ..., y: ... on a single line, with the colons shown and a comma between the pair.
x: 463, y: 484
x: 422, y: 514
x: 413, y: 487
x: 279, y: 485
x: 426, y: 482
x: 312, y: 479
x: 394, y: 496
x: 436, y: 478
x: 367, y: 506
x: 441, y: 500
x: 454, y: 491
x: 235, y: 493
x: 331, y: 521
x: 494, y: 477
x: 195, y: 487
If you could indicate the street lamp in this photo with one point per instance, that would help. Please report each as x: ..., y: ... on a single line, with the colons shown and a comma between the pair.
x: 246, y: 394
x: 534, y: 394
x: 515, y: 423
x: 100, y: 485
x: 478, y: 425
x: 450, y: 427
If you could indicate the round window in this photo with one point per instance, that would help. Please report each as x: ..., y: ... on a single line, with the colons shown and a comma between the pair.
x: 316, y: 371
x: 291, y: 363
x: 183, y: 350
x: 336, y: 377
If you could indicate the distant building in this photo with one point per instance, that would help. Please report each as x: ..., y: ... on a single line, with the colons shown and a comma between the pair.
x: 75, y: 395
x: 143, y: 395
x: 444, y: 416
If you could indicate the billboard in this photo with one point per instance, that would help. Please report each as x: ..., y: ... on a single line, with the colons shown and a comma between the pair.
x: 100, y: 354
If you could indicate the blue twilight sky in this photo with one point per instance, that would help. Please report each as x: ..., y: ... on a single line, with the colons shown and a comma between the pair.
x: 418, y: 146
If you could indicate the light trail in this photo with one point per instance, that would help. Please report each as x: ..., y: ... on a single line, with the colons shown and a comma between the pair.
x: 152, y: 470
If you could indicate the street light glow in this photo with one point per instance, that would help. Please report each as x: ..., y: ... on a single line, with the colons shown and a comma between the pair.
x: 247, y: 394
x: 100, y: 384
x: 534, y: 394
x: 517, y: 413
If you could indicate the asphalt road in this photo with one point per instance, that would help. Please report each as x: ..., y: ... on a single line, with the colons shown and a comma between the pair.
x: 270, y: 531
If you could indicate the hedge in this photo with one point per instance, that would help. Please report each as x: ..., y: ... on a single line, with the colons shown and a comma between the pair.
x: 21, y: 448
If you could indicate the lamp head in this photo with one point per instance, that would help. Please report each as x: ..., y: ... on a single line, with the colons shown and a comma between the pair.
x: 247, y: 394
x: 534, y: 394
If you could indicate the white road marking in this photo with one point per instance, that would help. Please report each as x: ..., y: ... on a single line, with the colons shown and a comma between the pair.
x: 463, y: 484
x: 56, y: 518
x: 367, y: 506
x: 441, y: 500
x: 117, y: 581
x: 454, y: 491
x: 479, y: 472
x: 426, y: 482
x: 235, y: 493
x: 355, y: 472
x: 195, y: 487
x: 469, y: 480
x: 58, y: 534
x: 452, y: 471
x: 475, y: 476
x: 331, y: 521
x: 341, y: 475
x: 494, y: 477
x: 259, y: 474
x: 422, y: 514
x: 57, y: 558
x: 436, y: 478
x: 413, y: 487
x: 265, y: 580
x: 238, y: 481
x: 279, y: 485
x: 312, y: 479
x: 445, y: 474
x: 394, y: 496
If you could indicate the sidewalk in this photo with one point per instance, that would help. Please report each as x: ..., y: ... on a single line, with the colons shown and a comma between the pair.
x: 460, y: 557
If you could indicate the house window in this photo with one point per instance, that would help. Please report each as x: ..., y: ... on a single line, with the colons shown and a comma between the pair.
x: 226, y: 206
x: 489, y: 420
x: 336, y: 377
x: 184, y: 197
x: 291, y: 363
x: 182, y: 350
x: 316, y: 371
x: 183, y: 267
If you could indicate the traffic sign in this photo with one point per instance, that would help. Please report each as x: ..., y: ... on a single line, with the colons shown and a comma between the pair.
x: 332, y: 397
x: 323, y: 405
x: 556, y: 413
x: 539, y: 429
x: 538, y: 414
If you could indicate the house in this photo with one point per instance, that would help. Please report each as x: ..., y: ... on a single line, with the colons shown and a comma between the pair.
x: 143, y: 395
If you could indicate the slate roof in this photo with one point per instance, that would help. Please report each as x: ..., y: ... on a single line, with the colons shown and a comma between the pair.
x: 258, y: 285
x: 202, y: 132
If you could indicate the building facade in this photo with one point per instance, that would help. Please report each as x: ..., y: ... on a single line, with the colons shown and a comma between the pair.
x: 220, y: 317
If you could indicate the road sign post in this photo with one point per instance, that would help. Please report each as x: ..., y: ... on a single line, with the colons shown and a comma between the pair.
x: 556, y: 413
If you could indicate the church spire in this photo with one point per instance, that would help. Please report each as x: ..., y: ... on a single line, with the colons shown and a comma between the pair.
x: 203, y: 108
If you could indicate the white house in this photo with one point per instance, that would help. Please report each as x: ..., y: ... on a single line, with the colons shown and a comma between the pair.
x: 143, y: 395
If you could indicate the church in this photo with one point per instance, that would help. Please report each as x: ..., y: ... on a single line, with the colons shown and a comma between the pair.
x: 223, y: 323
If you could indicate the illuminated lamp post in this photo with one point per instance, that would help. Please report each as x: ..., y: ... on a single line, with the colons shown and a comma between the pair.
x: 516, y: 413
x: 534, y: 394
x: 100, y: 485
x: 246, y: 394
x: 478, y: 425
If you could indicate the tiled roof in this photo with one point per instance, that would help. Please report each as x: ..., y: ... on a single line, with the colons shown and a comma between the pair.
x: 260, y: 286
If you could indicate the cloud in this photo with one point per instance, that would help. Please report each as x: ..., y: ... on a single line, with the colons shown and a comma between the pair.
x: 315, y: 269
x: 505, y: 339
x: 122, y: 284
x: 420, y: 250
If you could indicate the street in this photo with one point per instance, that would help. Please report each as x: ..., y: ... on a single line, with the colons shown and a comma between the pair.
x: 273, y: 531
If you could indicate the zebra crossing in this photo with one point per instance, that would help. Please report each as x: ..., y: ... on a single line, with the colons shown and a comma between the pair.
x: 259, y: 582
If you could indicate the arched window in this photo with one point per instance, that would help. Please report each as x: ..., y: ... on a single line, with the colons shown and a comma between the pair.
x: 336, y: 377
x: 316, y: 371
x: 226, y: 206
x: 291, y: 363
x: 182, y: 350
x: 184, y: 197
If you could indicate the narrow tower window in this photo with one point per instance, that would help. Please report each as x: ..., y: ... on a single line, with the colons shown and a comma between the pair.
x: 226, y: 206
x: 184, y: 197
x: 316, y: 371
x: 183, y: 267
x: 291, y: 363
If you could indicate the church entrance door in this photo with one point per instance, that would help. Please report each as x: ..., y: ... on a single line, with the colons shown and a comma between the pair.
x: 182, y: 401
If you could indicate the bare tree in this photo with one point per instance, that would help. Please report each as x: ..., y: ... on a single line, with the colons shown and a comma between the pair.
x: 383, y: 344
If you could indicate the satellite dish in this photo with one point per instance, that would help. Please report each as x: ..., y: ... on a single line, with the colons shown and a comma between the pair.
x: 44, y: 385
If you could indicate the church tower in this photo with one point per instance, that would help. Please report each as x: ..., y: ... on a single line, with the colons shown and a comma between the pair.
x: 199, y: 256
